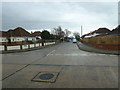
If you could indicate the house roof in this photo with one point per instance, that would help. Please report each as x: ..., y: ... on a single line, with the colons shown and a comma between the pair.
x: 36, y: 33
x: 3, y: 33
x: 18, y: 32
x: 105, y: 31
x: 99, y: 31
x: 116, y: 30
x: 102, y: 30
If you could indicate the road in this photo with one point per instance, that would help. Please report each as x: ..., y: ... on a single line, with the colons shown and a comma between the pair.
x: 71, y: 67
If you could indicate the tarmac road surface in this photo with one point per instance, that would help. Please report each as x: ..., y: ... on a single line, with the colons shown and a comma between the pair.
x: 65, y: 66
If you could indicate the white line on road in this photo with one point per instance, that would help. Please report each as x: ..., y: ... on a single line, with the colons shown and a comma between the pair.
x: 73, y: 54
x: 76, y: 54
x: 113, y: 55
x: 51, y: 52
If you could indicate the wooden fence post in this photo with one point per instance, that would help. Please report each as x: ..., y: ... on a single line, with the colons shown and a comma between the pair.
x: 39, y: 44
x: 28, y: 45
x: 42, y: 43
x: 5, y: 47
x: 34, y: 44
x: 21, y: 47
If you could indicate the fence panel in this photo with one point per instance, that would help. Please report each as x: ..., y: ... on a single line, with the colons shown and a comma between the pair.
x: 31, y: 45
x: 25, y: 46
x: 13, y: 47
x: 37, y: 44
x: 1, y: 47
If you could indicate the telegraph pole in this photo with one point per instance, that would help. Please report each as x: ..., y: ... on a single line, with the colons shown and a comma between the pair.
x: 81, y: 30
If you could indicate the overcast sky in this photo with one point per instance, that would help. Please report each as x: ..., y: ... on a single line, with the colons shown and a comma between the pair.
x: 68, y: 15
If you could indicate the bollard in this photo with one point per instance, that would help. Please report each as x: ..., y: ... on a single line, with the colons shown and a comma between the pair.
x: 39, y: 44
x: 20, y: 47
x: 5, y: 47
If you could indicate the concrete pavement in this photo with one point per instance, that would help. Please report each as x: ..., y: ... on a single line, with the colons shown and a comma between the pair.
x: 76, y: 68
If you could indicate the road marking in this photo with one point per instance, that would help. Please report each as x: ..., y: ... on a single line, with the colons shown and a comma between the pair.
x: 113, y: 55
x: 51, y: 52
x: 107, y: 55
x: 76, y: 54
x: 101, y: 54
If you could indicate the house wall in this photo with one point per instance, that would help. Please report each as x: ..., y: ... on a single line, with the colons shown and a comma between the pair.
x: 20, y: 39
x: 3, y: 39
x: 31, y: 39
x: 17, y: 39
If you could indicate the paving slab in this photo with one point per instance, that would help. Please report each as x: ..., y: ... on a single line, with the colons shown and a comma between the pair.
x: 9, y: 69
x: 76, y: 68
x: 23, y: 78
x: 69, y: 77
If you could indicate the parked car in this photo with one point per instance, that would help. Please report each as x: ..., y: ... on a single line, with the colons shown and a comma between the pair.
x: 74, y: 41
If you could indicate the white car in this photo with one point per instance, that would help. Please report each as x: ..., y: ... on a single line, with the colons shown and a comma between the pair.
x: 74, y: 41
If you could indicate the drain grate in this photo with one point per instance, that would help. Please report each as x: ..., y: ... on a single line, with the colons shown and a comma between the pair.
x: 49, y: 77
x: 46, y: 76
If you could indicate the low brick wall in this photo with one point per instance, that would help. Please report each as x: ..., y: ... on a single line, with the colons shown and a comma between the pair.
x: 107, y: 46
x: 103, y: 46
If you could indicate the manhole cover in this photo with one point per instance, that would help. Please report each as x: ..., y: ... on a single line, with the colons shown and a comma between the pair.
x: 49, y: 77
x: 46, y: 76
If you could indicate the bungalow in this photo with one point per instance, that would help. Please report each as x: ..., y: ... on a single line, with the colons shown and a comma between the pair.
x: 3, y: 35
x: 36, y: 34
x: 99, y: 32
x: 17, y: 35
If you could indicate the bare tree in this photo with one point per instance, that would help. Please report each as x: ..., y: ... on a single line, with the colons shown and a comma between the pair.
x: 59, y: 32
x: 77, y: 35
x: 67, y: 32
